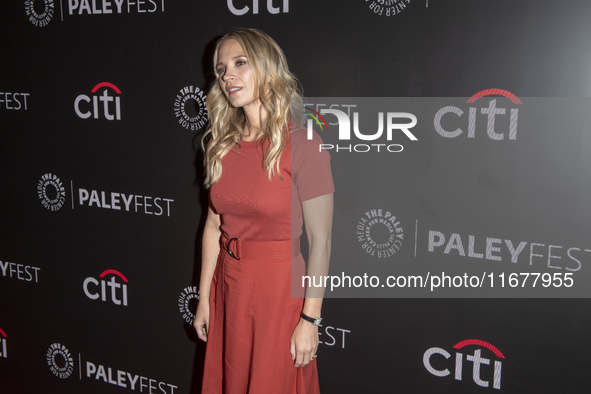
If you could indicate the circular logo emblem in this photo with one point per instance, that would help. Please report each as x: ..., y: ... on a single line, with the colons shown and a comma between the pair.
x: 60, y: 361
x: 380, y: 233
x: 388, y: 7
x: 184, y: 304
x: 51, y: 192
x: 39, y: 12
x: 189, y: 107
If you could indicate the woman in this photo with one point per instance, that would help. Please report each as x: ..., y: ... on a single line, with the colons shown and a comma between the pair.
x: 265, y: 176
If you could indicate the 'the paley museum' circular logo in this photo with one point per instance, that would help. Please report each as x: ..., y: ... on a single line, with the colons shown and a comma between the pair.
x: 60, y: 361
x: 380, y: 233
x: 51, y: 192
x: 189, y: 107
x: 43, y: 18
x: 388, y: 7
x: 189, y: 293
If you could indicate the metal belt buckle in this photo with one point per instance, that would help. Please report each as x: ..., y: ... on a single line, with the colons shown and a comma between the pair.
x: 230, y: 251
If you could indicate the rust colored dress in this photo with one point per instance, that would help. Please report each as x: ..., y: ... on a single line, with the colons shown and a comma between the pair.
x: 252, y: 312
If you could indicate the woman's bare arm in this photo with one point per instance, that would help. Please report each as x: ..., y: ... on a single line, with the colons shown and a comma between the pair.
x: 318, y: 213
x: 209, y: 255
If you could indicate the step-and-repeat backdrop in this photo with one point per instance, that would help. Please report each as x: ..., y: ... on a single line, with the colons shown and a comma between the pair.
x: 460, y: 142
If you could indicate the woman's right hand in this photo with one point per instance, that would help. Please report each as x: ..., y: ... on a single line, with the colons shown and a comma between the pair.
x: 201, y: 321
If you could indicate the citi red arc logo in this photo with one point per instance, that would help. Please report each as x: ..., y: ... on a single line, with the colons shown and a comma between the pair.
x: 491, y: 112
x: 95, y: 289
x: 478, y: 342
x: 492, y: 92
x: 3, y: 353
x: 477, y: 362
x: 110, y: 112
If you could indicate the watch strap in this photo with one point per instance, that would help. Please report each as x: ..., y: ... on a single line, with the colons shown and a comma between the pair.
x: 314, y: 320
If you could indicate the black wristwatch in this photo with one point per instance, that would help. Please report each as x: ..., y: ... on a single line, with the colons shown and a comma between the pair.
x: 314, y: 320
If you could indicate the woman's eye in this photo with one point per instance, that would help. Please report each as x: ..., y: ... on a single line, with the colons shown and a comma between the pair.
x: 220, y: 71
x: 240, y: 62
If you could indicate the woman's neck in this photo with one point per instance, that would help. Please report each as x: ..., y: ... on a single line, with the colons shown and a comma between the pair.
x: 250, y: 133
x: 252, y: 128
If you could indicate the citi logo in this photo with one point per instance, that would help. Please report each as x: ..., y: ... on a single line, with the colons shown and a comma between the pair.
x: 477, y: 362
x: 491, y: 111
x: 95, y: 289
x: 3, y: 354
x: 255, y: 7
x: 111, y: 105
x: 344, y: 123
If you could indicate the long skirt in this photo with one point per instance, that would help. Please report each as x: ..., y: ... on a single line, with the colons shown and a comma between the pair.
x: 252, y: 317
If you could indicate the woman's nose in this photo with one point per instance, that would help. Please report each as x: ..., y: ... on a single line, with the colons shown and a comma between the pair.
x: 228, y: 76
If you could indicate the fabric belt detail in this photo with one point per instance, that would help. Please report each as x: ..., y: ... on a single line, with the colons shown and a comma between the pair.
x: 239, y: 249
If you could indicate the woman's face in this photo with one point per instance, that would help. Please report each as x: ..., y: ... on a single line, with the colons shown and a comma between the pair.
x: 235, y: 76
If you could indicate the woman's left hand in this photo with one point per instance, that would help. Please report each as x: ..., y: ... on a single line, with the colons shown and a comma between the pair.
x: 304, y: 343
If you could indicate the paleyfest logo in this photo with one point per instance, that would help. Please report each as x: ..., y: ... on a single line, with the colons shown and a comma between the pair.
x: 37, y: 17
x: 344, y: 123
x: 52, y: 194
x: 19, y: 271
x: 387, y: 7
x: 105, y: 7
x: 8, y: 98
x: 133, y: 382
x: 40, y: 12
x: 534, y: 254
x: 380, y: 233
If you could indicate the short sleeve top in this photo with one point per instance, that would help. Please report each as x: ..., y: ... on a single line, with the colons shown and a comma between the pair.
x: 254, y: 208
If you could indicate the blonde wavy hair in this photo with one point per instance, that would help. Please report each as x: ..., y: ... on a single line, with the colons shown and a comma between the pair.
x: 282, y: 102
